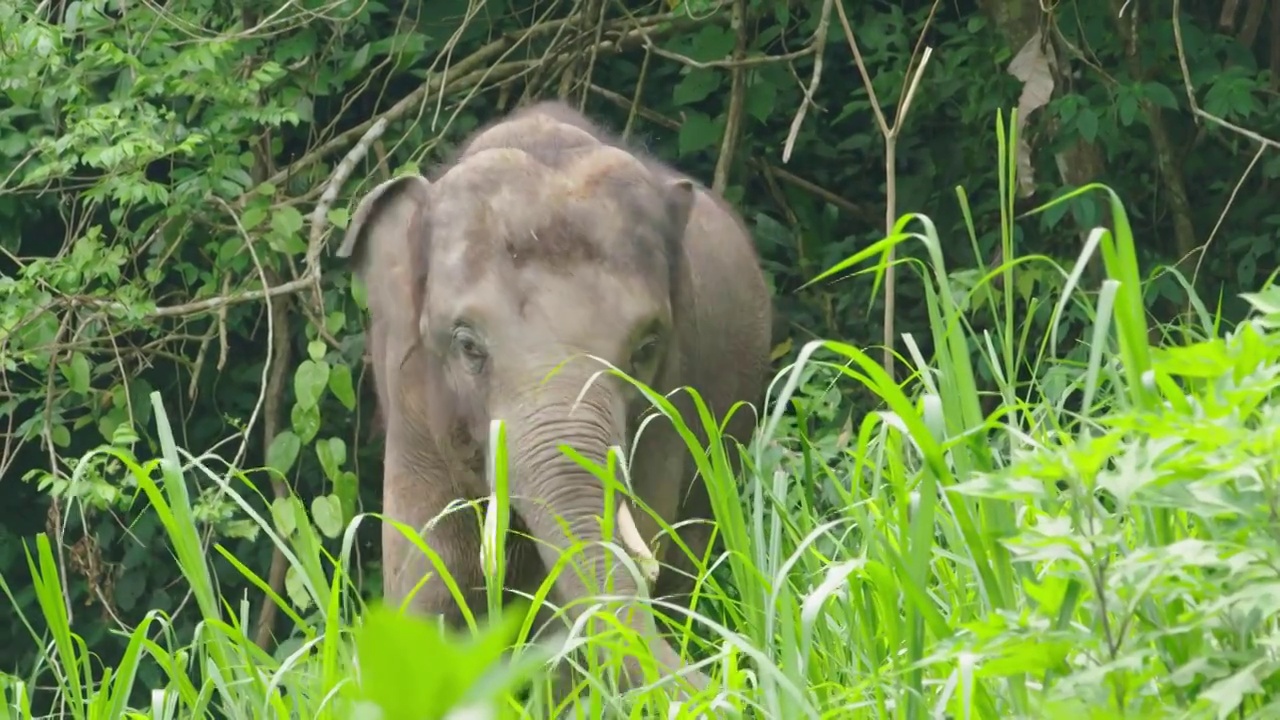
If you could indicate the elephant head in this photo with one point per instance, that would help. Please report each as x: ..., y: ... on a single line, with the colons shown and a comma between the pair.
x: 512, y: 264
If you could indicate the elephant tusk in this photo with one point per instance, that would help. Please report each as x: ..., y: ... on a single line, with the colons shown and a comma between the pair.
x: 489, y: 538
x: 636, y: 546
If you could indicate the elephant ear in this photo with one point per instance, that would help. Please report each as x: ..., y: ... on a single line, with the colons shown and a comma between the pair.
x: 679, y: 195
x: 386, y: 241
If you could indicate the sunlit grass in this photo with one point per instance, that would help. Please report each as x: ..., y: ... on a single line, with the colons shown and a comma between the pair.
x: 1102, y: 545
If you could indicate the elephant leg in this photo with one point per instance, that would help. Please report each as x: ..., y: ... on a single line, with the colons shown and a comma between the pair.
x: 695, y: 517
x: 694, y: 524
x: 525, y: 575
x: 421, y: 499
x: 664, y: 476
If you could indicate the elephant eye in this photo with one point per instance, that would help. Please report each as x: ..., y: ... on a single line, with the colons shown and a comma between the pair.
x: 645, y: 353
x: 469, y: 345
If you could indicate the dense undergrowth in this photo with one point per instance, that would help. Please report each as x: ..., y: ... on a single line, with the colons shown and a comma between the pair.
x: 1102, y: 545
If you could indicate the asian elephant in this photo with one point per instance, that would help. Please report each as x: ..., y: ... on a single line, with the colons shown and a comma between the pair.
x: 542, y: 241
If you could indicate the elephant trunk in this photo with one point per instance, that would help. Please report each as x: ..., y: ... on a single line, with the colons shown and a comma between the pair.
x: 562, y: 504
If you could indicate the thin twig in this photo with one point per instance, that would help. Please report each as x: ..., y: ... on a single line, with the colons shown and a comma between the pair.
x: 274, y: 392
x: 862, y: 69
x: 1263, y: 141
x: 478, y: 60
x: 636, y: 110
x: 731, y: 63
x: 319, y: 216
x: 1191, y: 96
x: 311, y: 269
x: 737, y: 99
x: 890, y: 134
x: 1204, y: 249
x: 600, y: 15
x: 819, y: 49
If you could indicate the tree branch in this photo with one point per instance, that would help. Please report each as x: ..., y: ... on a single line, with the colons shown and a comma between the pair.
x: 274, y: 394
x: 737, y: 99
x: 481, y: 59
x: 363, y: 136
x: 861, y: 212
x: 1170, y: 169
x: 819, y: 47
x: 890, y: 161
x: 1191, y: 95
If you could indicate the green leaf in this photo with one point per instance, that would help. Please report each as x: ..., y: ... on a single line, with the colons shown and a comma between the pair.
x: 347, y: 488
x: 1266, y: 302
x: 1161, y: 95
x: 316, y: 349
x: 1203, y: 360
x: 1036, y: 657
x: 1067, y: 107
x: 77, y: 373
x: 360, y: 59
x: 698, y: 133
x: 696, y: 86
x: 334, y: 322
x: 332, y: 453
x: 339, y: 217
x: 1087, y: 124
x: 1025, y: 285
x: 781, y: 13
x: 760, y: 100
x: 283, y: 451
x: 398, y: 652
x: 305, y: 421
x: 359, y: 292
x: 309, y: 381
x: 124, y: 435
x: 253, y: 216
x: 1127, y: 107
x: 712, y: 42
x: 296, y: 588
x: 341, y: 387
x: 60, y: 435
x: 327, y: 511
x: 407, y: 668
x: 1054, y: 213
x: 1228, y: 693
x: 282, y: 512
x: 128, y: 589
x: 286, y: 221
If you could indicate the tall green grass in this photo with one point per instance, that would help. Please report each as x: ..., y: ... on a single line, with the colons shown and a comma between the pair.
x: 1104, y: 544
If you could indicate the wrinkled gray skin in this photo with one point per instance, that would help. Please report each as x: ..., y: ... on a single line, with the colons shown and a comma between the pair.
x: 543, y: 240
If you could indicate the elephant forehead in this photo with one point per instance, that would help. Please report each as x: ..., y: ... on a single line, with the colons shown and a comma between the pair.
x: 564, y: 261
x: 510, y: 225
x: 496, y: 186
x: 546, y: 139
x: 512, y: 188
x: 604, y: 169
x: 500, y: 206
x: 546, y: 310
x: 588, y: 296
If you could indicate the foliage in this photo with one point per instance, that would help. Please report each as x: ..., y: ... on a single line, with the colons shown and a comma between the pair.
x: 1112, y: 561
x: 171, y: 176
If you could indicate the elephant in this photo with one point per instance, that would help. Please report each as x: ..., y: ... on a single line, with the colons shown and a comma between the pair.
x: 546, y: 240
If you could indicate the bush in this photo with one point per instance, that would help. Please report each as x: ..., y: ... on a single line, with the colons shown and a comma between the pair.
x: 1102, y: 544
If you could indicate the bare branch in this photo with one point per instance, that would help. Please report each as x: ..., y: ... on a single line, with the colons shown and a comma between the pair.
x: 737, y: 100
x: 819, y: 49
x: 1191, y: 95
x: 890, y: 134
